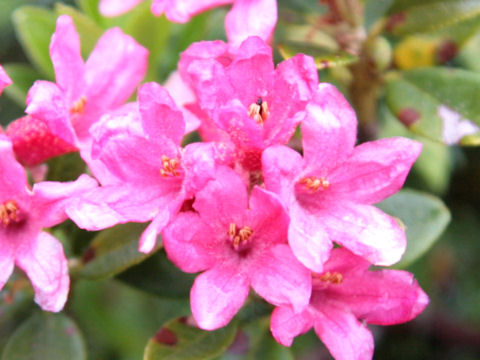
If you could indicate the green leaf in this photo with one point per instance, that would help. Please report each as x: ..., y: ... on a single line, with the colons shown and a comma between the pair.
x: 439, y: 103
x: 46, y: 336
x: 113, y: 251
x: 158, y: 276
x: 424, y: 216
x: 87, y: 29
x: 23, y: 77
x: 90, y: 8
x: 179, y: 341
x: 411, y: 16
x: 323, y: 57
x: 34, y: 27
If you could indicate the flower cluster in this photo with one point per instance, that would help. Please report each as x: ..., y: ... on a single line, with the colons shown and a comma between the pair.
x: 241, y: 208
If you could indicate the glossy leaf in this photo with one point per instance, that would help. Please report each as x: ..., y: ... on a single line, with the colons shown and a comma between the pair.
x: 34, y: 27
x: 23, y: 77
x: 439, y: 103
x: 46, y: 336
x: 323, y: 57
x: 113, y: 251
x: 409, y: 16
x: 425, y: 218
x: 177, y: 340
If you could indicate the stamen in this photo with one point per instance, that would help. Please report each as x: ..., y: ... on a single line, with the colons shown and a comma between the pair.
x: 170, y: 167
x: 9, y: 212
x: 79, y: 105
x: 313, y: 183
x: 258, y: 111
x: 239, y: 238
x: 333, y: 278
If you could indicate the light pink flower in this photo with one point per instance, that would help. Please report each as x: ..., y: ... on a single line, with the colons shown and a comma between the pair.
x: 152, y: 175
x: 345, y: 297
x: 86, y: 90
x: 330, y: 190
x: 247, y: 98
x: 246, y: 18
x: 238, y: 242
x: 24, y: 212
x: 4, y: 79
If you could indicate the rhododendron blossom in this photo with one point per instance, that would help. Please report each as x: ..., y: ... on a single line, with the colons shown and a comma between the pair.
x: 246, y: 18
x: 345, y: 297
x: 4, y: 79
x: 330, y: 190
x: 86, y: 90
x: 153, y: 174
x: 256, y: 104
x: 24, y: 212
x: 238, y: 242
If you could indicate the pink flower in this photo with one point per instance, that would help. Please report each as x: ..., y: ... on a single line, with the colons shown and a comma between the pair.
x: 238, y: 242
x: 85, y: 91
x: 345, y: 297
x: 245, y: 96
x: 246, y: 18
x: 330, y: 191
x: 152, y: 175
x: 4, y: 79
x: 24, y: 212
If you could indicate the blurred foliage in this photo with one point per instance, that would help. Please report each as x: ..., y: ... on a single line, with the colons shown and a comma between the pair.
x: 410, y: 68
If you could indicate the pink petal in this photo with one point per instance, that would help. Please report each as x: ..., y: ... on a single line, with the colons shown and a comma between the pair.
x: 7, y: 257
x: 366, y: 231
x: 344, y: 336
x: 182, y: 10
x: 329, y: 130
x: 308, y: 238
x: 4, y: 79
x: 222, y: 200
x: 286, y: 324
x: 160, y: 115
x: 250, y: 18
x: 66, y: 58
x: 45, y: 264
x: 13, y: 179
x: 199, y: 164
x: 217, y: 295
x: 187, y: 241
x: 375, y: 170
x: 114, y: 69
x: 280, y: 279
x: 280, y: 166
x: 116, y: 7
x: 50, y: 198
x: 47, y: 102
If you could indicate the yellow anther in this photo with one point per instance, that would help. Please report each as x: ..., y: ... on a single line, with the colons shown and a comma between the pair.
x: 79, y: 105
x: 313, y: 183
x: 258, y: 111
x: 9, y: 212
x: 333, y: 278
x: 170, y: 167
x: 239, y: 238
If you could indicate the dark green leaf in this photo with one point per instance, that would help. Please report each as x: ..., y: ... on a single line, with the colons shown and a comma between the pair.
x: 113, y: 251
x: 46, y: 336
x: 179, y: 341
x: 424, y: 216
x: 23, y: 77
x: 157, y: 275
x: 439, y: 103
x: 34, y: 27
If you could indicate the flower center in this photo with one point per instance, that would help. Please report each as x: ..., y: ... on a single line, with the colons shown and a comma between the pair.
x: 169, y: 167
x: 9, y: 213
x: 240, y: 238
x: 79, y: 105
x: 333, y: 278
x: 314, y: 183
x: 258, y: 111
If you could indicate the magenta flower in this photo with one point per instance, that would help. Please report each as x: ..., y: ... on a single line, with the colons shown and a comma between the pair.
x: 85, y: 91
x: 330, y: 191
x: 152, y: 175
x: 245, y: 96
x: 24, y: 212
x: 246, y: 18
x: 238, y: 243
x: 4, y: 79
x: 345, y: 297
